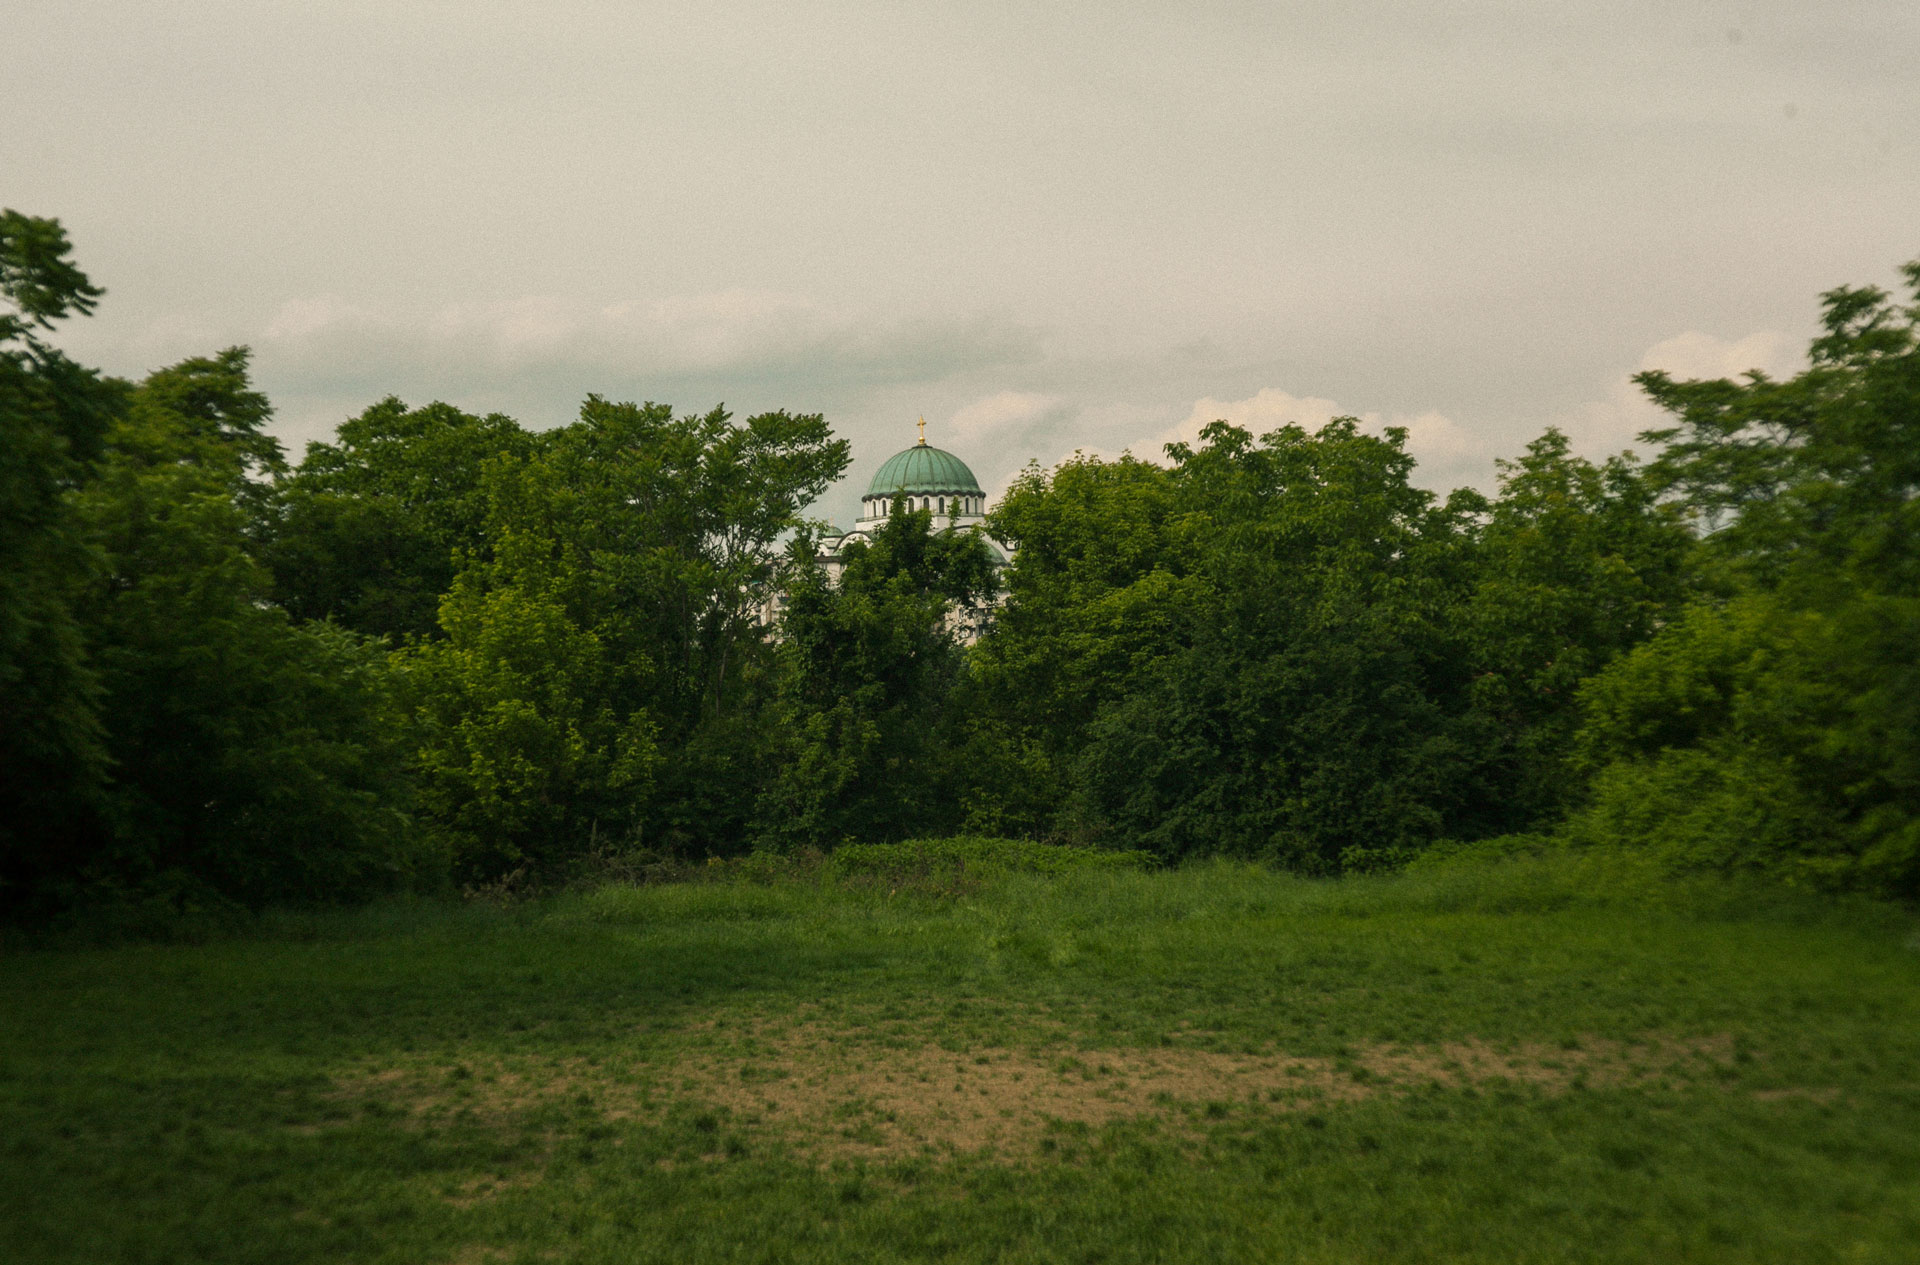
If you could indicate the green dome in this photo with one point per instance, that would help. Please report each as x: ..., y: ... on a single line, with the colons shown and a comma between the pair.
x: 923, y: 470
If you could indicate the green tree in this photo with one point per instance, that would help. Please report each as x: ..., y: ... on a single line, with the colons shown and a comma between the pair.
x: 54, y: 415
x: 1103, y: 583
x: 1313, y: 714
x: 1575, y: 564
x: 367, y: 530
x: 1102, y: 586
x: 864, y: 724
x: 599, y: 673
x: 249, y: 757
x: 1776, y: 726
x: 1281, y: 647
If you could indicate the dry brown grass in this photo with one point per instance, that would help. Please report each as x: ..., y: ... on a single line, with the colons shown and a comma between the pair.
x: 839, y: 1099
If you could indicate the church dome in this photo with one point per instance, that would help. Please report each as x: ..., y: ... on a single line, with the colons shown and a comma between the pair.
x: 924, y: 471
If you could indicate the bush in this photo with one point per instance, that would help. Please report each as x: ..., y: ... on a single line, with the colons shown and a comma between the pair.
x: 1450, y: 854
x: 972, y: 857
x: 1753, y: 736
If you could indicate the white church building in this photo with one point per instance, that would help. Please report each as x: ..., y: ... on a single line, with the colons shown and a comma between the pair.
x: 923, y: 478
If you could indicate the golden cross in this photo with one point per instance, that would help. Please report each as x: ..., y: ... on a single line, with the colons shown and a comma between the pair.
x: 923, y: 432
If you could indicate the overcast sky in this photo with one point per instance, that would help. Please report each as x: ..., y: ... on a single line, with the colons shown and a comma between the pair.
x: 1044, y: 227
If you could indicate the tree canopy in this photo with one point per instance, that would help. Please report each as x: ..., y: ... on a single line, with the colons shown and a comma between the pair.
x: 441, y: 648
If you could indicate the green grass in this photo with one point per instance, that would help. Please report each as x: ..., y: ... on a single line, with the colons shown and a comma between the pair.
x: 581, y: 1078
x: 956, y: 860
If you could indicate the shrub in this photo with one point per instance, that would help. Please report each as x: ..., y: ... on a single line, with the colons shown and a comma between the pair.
x: 974, y: 857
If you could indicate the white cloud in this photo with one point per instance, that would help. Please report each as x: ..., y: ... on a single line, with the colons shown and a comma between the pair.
x: 1436, y: 441
x: 1606, y: 426
x: 1697, y: 355
x: 324, y: 357
x: 1451, y: 454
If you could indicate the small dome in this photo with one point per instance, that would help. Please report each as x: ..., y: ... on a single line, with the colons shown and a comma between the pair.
x: 922, y: 470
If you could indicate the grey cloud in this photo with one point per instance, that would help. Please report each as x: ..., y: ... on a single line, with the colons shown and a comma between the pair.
x: 1465, y: 209
x: 537, y: 357
x: 734, y: 335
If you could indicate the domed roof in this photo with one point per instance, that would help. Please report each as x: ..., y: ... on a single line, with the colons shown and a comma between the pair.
x: 923, y: 469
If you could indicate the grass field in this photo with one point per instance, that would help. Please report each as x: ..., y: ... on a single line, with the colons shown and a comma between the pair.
x: 1537, y: 1061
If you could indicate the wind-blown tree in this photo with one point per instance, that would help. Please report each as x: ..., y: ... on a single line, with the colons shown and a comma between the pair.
x: 54, y: 416
x: 366, y: 531
x: 599, y: 667
x: 864, y: 722
x: 1777, y: 724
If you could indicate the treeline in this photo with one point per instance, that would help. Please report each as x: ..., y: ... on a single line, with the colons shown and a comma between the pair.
x: 444, y: 649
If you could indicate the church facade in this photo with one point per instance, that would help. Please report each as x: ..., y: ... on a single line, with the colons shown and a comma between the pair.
x: 934, y: 480
x: 928, y: 478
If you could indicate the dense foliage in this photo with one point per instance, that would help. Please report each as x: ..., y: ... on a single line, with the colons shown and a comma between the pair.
x: 602, y: 667
x: 369, y: 529
x: 868, y: 681
x: 54, y: 416
x: 442, y: 648
x: 1776, y: 724
x: 248, y: 753
x: 1281, y: 648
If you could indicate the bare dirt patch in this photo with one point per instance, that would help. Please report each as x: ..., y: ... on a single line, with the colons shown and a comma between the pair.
x: 839, y: 1100
x: 932, y: 1098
